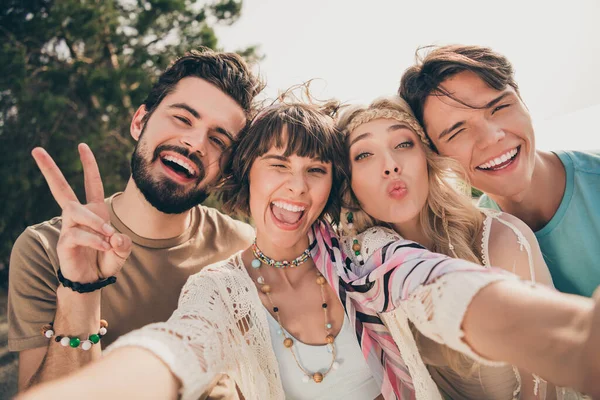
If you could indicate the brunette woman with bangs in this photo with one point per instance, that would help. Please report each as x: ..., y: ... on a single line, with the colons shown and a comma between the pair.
x: 291, y: 317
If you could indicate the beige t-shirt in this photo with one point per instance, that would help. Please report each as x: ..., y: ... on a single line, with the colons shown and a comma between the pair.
x: 147, y: 288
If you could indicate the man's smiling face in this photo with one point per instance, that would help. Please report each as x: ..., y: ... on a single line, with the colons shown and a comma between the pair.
x: 182, y: 144
x: 493, y: 139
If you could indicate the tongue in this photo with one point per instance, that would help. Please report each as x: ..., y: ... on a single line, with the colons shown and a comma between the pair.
x: 289, y: 217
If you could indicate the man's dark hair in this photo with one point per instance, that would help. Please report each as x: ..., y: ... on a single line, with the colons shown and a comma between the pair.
x: 227, y: 71
x: 426, y: 76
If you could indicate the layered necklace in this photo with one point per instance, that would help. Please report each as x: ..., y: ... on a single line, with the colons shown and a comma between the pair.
x: 288, y: 342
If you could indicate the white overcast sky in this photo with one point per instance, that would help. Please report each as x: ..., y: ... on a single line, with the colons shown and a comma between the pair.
x: 359, y: 50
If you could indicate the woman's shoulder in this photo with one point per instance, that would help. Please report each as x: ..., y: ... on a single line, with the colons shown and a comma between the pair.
x: 505, y: 229
x: 510, y: 244
x: 220, y: 269
x: 226, y: 280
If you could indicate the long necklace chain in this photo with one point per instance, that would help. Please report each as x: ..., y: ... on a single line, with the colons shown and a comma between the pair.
x: 288, y: 341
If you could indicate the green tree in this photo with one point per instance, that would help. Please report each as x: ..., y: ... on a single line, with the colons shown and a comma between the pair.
x: 74, y: 71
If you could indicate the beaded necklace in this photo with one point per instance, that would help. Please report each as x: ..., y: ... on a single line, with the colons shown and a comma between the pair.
x: 262, y: 258
x: 288, y: 342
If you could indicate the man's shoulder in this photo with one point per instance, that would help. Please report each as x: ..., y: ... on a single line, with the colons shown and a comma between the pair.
x: 583, y: 161
x: 45, y: 233
x: 224, y: 222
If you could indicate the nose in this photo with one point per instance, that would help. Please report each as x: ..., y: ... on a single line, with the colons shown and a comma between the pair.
x: 489, y: 133
x: 195, y: 143
x: 297, y: 183
x: 391, y: 166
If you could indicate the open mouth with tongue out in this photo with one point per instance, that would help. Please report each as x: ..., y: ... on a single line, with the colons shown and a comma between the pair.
x: 287, y: 215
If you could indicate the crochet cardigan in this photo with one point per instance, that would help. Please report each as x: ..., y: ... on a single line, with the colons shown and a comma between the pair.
x: 220, y: 325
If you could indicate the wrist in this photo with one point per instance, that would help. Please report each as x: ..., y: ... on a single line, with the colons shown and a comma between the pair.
x: 81, y: 287
x: 81, y: 275
x: 78, y: 308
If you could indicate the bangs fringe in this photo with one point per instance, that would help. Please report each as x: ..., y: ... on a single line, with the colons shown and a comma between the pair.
x: 298, y: 133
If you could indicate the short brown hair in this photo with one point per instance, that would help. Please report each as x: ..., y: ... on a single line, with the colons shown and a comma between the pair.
x: 310, y: 132
x: 227, y: 71
x: 440, y: 63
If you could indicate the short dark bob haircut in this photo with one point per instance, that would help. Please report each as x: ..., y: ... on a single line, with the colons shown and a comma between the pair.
x: 301, y: 128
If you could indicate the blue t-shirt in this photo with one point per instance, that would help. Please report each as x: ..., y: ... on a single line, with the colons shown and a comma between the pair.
x: 570, y: 242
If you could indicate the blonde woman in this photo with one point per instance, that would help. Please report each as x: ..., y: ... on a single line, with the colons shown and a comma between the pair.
x: 398, y: 182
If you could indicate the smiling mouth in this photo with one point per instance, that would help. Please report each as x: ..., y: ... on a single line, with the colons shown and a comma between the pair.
x: 179, y: 166
x: 286, y: 213
x: 501, y: 162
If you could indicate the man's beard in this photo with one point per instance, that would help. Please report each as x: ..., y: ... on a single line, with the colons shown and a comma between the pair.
x: 162, y: 193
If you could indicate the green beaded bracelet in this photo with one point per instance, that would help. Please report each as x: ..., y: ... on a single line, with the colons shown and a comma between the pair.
x: 75, y: 342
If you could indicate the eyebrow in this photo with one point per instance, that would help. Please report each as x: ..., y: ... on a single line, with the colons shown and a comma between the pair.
x: 225, y: 132
x: 461, y: 123
x: 275, y: 157
x: 390, y: 128
x: 189, y: 109
x: 196, y: 115
x: 360, y: 137
x: 286, y: 159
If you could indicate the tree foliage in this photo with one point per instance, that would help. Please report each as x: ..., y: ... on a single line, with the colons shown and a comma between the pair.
x: 74, y: 71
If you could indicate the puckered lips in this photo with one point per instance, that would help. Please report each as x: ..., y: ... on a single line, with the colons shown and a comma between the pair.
x: 397, y: 189
x: 179, y: 167
x: 501, y: 162
x: 287, y: 215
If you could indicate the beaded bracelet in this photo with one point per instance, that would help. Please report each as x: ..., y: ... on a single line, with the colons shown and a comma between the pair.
x: 85, y: 287
x: 75, y: 342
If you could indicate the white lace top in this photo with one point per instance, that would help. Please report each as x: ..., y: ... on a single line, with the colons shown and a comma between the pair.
x: 220, y: 327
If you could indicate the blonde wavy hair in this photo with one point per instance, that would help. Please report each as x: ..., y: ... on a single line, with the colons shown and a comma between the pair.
x: 448, y: 211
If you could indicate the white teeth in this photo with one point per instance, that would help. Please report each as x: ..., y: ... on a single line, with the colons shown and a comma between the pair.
x: 289, y: 207
x: 499, y: 160
x: 184, y: 164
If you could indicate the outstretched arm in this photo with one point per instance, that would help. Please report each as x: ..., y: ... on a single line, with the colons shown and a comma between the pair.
x: 553, y: 334
x: 183, y: 356
x: 129, y: 373
x: 485, y: 312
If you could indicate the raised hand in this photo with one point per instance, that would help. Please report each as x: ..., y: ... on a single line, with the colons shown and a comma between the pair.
x: 89, y: 248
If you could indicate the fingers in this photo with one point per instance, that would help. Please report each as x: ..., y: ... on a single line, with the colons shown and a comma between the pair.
x: 60, y: 188
x: 79, y: 237
x: 121, y: 245
x: 75, y: 214
x: 94, y: 190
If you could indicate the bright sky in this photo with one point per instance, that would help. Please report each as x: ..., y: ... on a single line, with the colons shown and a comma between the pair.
x: 359, y: 50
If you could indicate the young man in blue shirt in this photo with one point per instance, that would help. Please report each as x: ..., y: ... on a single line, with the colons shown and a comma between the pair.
x: 470, y: 106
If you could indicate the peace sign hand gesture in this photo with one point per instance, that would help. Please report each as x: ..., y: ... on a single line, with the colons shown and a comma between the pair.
x: 88, y: 249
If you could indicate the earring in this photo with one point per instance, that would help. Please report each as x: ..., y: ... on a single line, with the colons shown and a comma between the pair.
x: 355, y: 243
x: 350, y: 220
x: 445, y: 225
